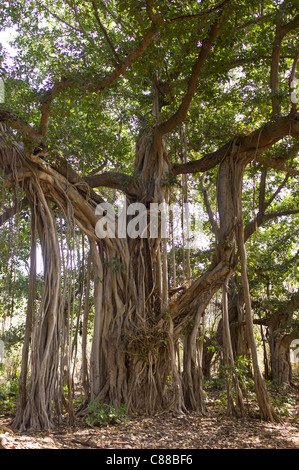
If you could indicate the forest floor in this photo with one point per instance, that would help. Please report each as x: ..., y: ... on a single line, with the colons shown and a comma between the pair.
x: 165, y: 431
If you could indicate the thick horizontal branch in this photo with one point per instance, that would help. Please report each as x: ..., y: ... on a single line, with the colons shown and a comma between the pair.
x: 209, y: 161
x: 252, y: 144
x: 113, y: 180
x: 277, y: 165
x: 261, y: 218
x: 268, y: 134
x: 64, y: 168
x: 11, y: 119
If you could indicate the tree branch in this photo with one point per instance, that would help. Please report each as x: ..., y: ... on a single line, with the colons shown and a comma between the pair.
x: 63, y: 167
x: 280, y: 32
x: 212, y: 219
x: 293, y: 304
x: 117, y: 19
x: 256, y: 20
x: 95, y: 85
x: 74, y: 8
x: 61, y: 19
x: 209, y: 161
x: 253, y: 144
x: 277, y: 165
x: 113, y: 180
x: 9, y: 213
x: 96, y: 14
x: 280, y: 187
x: 198, y: 15
x: 261, y: 218
x: 149, y: 10
x: 181, y: 113
x: 270, y: 133
x: 11, y: 119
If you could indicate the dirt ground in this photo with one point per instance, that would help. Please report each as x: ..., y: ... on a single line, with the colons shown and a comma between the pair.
x: 164, y: 431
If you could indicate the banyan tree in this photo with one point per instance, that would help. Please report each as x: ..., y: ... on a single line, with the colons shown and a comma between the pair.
x: 181, y: 53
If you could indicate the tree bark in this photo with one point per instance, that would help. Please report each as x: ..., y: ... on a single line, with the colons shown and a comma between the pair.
x: 280, y: 340
x: 233, y: 408
x: 22, y: 393
x: 135, y: 340
x: 265, y: 405
x: 279, y: 343
x: 134, y: 350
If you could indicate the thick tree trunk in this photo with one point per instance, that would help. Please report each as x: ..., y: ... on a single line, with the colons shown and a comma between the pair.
x: 234, y: 408
x: 281, y: 369
x: 192, y: 304
x: 133, y: 358
x: 136, y: 335
x: 238, y: 329
x: 207, y: 356
x: 192, y: 378
x: 280, y: 341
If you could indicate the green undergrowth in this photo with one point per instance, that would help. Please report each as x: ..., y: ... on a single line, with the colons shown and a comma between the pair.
x: 102, y: 414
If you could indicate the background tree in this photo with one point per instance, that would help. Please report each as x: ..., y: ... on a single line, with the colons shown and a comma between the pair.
x: 275, y: 294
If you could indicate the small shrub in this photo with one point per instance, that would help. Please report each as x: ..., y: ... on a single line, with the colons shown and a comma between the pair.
x: 102, y: 414
x: 242, y: 370
x: 282, y: 402
x: 217, y: 383
x: 282, y: 405
x: 9, y: 386
x: 221, y: 402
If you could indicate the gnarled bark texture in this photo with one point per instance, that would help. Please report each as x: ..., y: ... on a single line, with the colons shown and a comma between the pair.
x: 136, y: 332
x: 280, y: 341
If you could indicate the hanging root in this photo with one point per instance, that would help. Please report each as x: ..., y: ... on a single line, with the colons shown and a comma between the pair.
x: 266, y: 408
x: 39, y: 403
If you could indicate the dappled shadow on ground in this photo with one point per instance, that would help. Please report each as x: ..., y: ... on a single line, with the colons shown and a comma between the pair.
x: 216, y: 431
x: 164, y: 431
